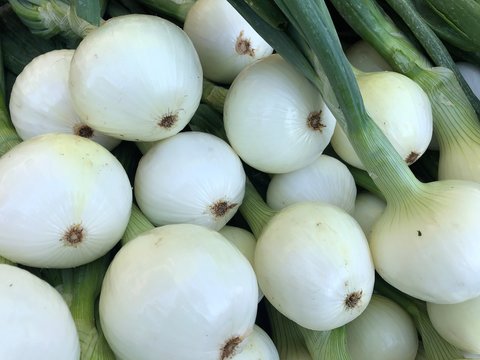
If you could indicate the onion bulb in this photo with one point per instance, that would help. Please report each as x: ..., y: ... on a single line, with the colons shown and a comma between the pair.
x: 180, y: 292
x: 383, y: 331
x: 40, y: 100
x: 245, y: 241
x: 458, y: 323
x: 192, y: 177
x: 136, y: 77
x: 402, y: 110
x: 368, y: 209
x: 326, y: 179
x: 64, y: 201
x: 224, y: 40
x: 274, y: 118
x: 314, y: 266
x: 35, y: 321
x: 365, y: 57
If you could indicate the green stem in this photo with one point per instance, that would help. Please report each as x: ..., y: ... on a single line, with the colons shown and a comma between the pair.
x: 214, y: 95
x: 286, y: 336
x: 255, y: 210
x: 330, y: 344
x: 436, y: 348
x: 47, y: 18
x: 176, y: 10
x: 81, y: 287
x: 137, y: 224
x: 432, y: 44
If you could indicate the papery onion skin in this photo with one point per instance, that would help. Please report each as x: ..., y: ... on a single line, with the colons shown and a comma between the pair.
x: 458, y: 323
x: 40, y: 100
x: 427, y: 244
x: 274, y: 118
x: 192, y: 177
x: 224, y: 40
x: 64, y: 201
x: 35, y: 321
x: 179, y: 292
x: 383, y: 331
x: 314, y: 266
x: 136, y: 77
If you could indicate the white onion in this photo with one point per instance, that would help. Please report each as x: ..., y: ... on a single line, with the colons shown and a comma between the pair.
x: 35, y: 322
x: 426, y: 244
x: 383, y: 331
x: 402, y: 110
x: 64, y: 201
x: 245, y: 241
x: 326, y: 179
x: 40, y: 100
x: 368, y: 208
x: 258, y: 345
x: 366, y: 58
x: 274, y: 118
x: 192, y: 177
x: 136, y: 77
x: 314, y: 266
x: 458, y: 323
x: 224, y: 40
x: 471, y: 74
x: 178, y: 292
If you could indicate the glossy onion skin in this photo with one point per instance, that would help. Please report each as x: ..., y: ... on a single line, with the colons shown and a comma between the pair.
x: 310, y: 258
x: 35, y: 321
x: 53, y: 183
x: 266, y: 115
x: 180, y: 179
x: 40, y: 101
x: 179, y: 292
x: 136, y: 77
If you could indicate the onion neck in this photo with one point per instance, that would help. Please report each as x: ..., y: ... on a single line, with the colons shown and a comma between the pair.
x: 81, y: 288
x: 255, y: 210
x: 286, y: 335
x: 137, y: 224
x: 290, y: 339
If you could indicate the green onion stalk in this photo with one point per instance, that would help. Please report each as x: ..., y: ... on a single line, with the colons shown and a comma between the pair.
x: 49, y: 18
x: 455, y: 122
x: 286, y: 336
x: 18, y: 43
x: 455, y: 22
x: 8, y: 135
x: 427, y: 37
